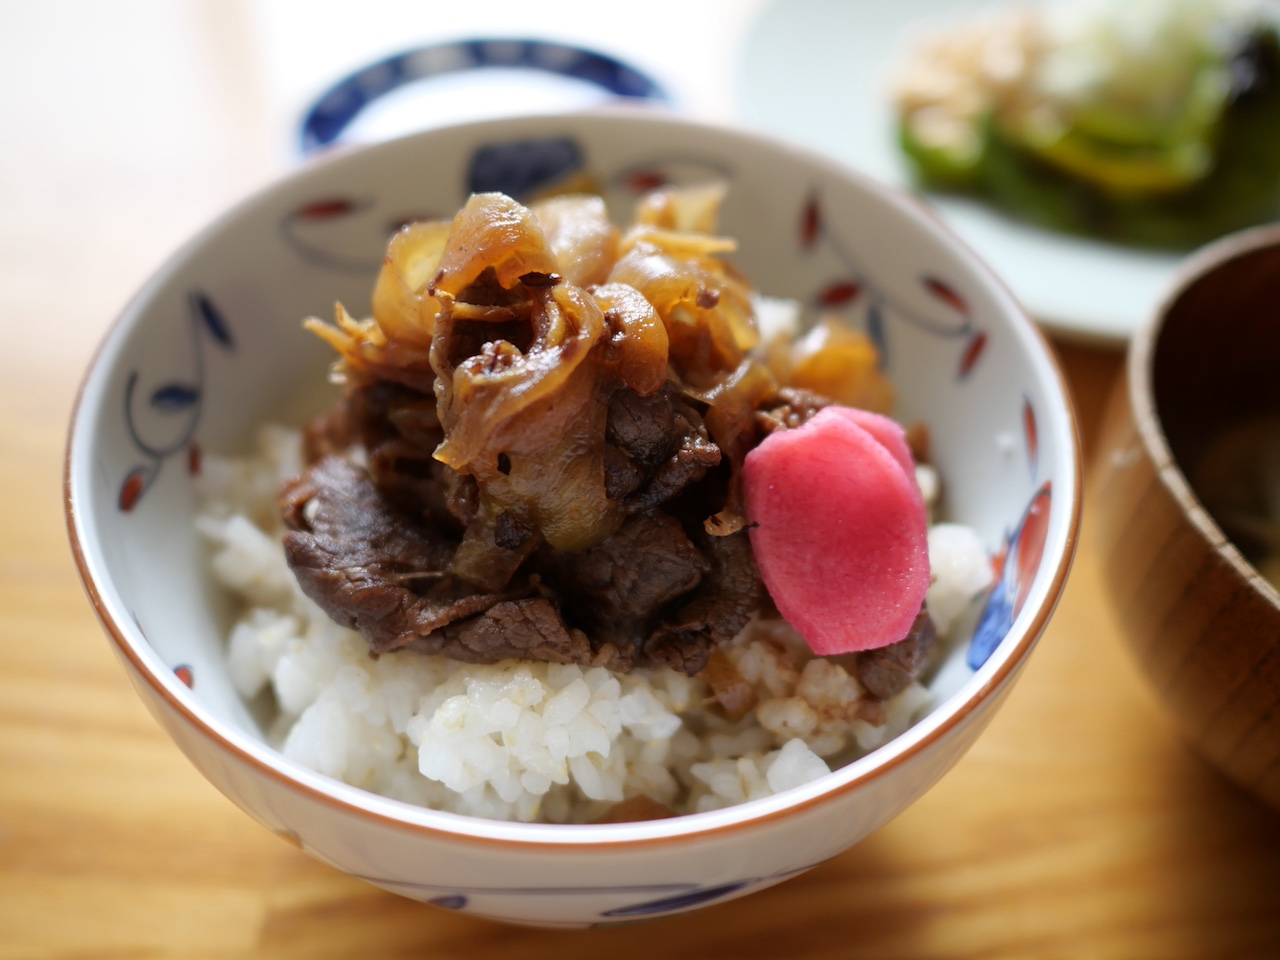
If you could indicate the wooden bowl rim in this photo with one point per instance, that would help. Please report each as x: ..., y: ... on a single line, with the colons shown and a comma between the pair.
x: 1140, y: 369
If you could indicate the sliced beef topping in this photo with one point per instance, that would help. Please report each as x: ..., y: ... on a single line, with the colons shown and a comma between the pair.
x: 526, y: 629
x: 890, y: 670
x: 716, y: 611
x: 688, y: 463
x: 333, y: 431
x: 617, y: 589
x: 335, y: 499
x: 643, y: 427
x: 411, y: 415
x: 540, y: 477
x: 370, y: 565
x: 645, y: 594
x: 792, y: 407
x: 655, y: 447
x: 399, y: 430
x: 622, y: 475
x: 373, y: 414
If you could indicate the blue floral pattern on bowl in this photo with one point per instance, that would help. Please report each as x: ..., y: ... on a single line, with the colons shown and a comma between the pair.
x: 180, y: 397
x: 651, y: 900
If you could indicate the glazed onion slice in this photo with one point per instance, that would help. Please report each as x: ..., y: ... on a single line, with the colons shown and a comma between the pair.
x: 582, y: 239
x: 494, y: 233
x: 401, y: 304
x: 731, y: 420
x: 735, y: 697
x: 841, y: 364
x: 705, y: 307
x: 528, y: 423
x: 636, y: 339
x: 694, y: 208
x: 525, y: 371
x: 395, y: 343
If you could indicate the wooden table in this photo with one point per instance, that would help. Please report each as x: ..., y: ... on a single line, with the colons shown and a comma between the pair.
x: 1079, y: 826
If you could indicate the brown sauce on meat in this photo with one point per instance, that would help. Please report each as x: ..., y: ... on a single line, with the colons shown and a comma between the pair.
x: 537, y: 451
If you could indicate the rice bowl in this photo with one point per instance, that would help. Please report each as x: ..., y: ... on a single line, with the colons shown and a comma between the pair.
x: 155, y: 417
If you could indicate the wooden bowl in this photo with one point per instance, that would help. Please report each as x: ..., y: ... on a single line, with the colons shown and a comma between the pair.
x: 1203, y: 623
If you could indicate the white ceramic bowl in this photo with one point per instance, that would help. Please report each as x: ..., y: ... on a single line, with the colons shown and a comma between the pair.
x: 212, y: 346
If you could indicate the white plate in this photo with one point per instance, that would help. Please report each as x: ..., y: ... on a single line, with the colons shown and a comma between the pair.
x: 816, y: 71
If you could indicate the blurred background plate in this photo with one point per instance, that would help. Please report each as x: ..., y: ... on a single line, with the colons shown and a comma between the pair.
x: 817, y: 71
x: 467, y: 80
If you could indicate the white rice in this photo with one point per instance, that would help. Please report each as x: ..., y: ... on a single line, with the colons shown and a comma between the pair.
x: 533, y: 741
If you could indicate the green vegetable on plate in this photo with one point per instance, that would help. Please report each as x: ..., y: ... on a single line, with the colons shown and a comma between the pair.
x: 1155, y: 123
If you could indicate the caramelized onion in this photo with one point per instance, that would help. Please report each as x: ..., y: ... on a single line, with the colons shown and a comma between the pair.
x: 395, y: 343
x: 637, y: 336
x: 401, y: 304
x: 730, y: 418
x: 492, y: 232
x: 735, y: 697
x: 582, y: 239
x: 524, y: 323
x: 529, y: 425
x: 707, y: 312
x: 841, y: 364
x: 490, y: 387
x: 693, y: 209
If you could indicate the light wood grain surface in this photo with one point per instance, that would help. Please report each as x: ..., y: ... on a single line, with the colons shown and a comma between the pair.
x: 1079, y: 826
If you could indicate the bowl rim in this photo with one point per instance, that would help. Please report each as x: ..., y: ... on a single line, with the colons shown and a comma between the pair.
x: 1140, y: 373
x: 402, y: 816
